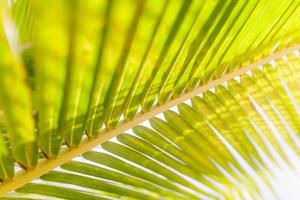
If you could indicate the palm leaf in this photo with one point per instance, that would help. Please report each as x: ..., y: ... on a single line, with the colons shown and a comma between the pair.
x: 171, y: 157
x: 79, y: 67
x: 17, y: 104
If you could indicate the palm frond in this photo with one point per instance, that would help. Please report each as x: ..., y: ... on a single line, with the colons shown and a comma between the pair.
x: 71, y: 70
x: 231, y: 137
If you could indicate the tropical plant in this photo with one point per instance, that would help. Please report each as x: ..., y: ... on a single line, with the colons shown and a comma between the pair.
x: 136, y: 99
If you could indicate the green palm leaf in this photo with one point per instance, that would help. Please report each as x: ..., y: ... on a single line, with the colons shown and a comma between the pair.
x: 74, y: 74
x: 17, y: 106
x: 174, y: 159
